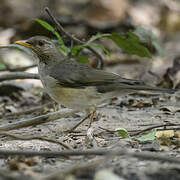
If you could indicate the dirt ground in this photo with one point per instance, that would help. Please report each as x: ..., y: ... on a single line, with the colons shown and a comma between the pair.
x: 133, y: 112
x: 101, y: 152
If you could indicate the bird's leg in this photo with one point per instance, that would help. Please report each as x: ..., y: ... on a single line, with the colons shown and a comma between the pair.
x: 80, y: 122
x: 92, y: 117
x: 89, y: 114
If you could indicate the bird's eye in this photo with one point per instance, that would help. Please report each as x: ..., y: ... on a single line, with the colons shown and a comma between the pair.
x: 40, y: 43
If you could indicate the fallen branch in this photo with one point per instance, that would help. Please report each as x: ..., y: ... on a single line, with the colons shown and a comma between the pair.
x: 137, y: 132
x: 18, y: 75
x: 60, y: 29
x: 108, y: 130
x: 26, y: 111
x: 22, y: 137
x: 120, y: 151
x: 152, y: 127
x: 38, y: 120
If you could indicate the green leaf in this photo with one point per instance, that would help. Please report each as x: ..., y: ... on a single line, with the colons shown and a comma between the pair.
x: 82, y: 59
x: 147, y: 36
x: 122, y: 132
x: 64, y: 49
x: 45, y: 25
x: 60, y: 41
x: 130, y: 44
x: 100, y: 46
x: 133, y: 37
x: 75, y: 50
x: 97, y: 36
x: 51, y: 29
x: 148, y: 137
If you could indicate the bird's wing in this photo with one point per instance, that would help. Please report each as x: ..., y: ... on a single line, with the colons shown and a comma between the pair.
x: 70, y: 73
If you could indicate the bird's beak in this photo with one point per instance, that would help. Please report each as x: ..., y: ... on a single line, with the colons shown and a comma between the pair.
x: 23, y: 43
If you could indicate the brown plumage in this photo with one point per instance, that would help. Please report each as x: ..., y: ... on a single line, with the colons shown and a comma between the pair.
x: 76, y: 85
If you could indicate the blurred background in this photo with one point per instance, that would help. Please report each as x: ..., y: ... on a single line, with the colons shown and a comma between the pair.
x: 155, y: 21
x: 84, y: 18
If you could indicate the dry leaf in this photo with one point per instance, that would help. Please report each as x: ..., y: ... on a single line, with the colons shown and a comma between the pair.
x: 166, y: 133
x: 177, y: 134
x: 164, y: 137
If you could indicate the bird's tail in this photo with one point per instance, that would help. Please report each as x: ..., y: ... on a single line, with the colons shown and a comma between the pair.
x: 150, y: 89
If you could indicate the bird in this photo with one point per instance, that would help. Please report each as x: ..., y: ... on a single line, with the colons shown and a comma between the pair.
x: 76, y: 85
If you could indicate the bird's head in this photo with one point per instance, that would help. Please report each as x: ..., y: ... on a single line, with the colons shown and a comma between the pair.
x: 42, y: 46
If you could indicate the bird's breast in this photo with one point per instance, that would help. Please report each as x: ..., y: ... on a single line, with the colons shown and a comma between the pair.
x: 74, y: 98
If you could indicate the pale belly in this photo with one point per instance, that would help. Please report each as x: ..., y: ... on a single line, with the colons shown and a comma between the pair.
x: 73, y: 98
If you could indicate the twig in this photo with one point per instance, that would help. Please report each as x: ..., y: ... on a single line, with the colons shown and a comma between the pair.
x: 22, y: 137
x: 27, y: 111
x: 108, y: 130
x: 18, y: 68
x: 137, y: 132
x: 60, y: 29
x: 120, y: 151
x: 173, y: 128
x: 38, y: 120
x: 18, y: 75
x: 152, y: 127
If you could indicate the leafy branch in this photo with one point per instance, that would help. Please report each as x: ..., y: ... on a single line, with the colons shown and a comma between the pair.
x: 129, y: 42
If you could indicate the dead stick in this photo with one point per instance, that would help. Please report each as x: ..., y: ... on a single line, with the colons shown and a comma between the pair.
x: 140, y: 155
x: 152, y: 127
x: 144, y: 130
x: 26, y: 111
x: 38, y: 120
x: 18, y: 75
x: 25, y: 138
